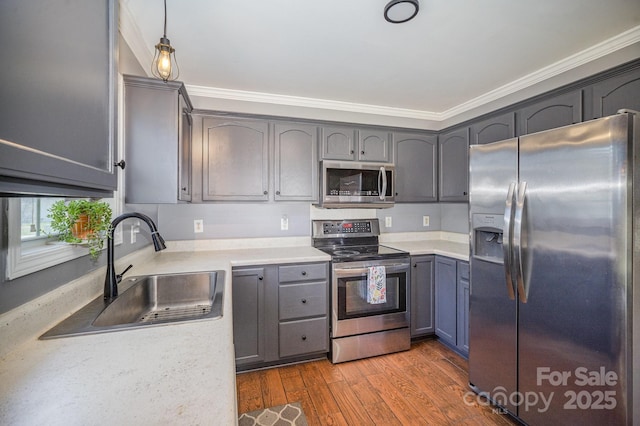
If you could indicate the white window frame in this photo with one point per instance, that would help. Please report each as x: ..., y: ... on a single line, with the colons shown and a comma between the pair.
x: 27, y: 257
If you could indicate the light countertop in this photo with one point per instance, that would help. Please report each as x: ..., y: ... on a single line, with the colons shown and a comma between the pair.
x: 172, y: 374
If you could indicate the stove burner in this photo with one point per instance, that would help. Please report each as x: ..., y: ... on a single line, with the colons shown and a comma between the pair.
x: 346, y: 252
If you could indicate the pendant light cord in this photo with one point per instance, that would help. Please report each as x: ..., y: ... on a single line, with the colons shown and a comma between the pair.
x: 165, y: 19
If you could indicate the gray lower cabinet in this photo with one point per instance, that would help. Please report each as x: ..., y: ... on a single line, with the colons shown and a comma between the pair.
x: 453, y: 165
x: 613, y: 94
x: 280, y: 313
x: 493, y: 129
x: 558, y: 111
x: 295, y: 162
x: 452, y: 303
x: 58, y: 126
x: 462, y: 303
x: 422, y: 295
x: 416, y: 163
x: 235, y: 159
x: 158, y: 127
x: 249, y: 313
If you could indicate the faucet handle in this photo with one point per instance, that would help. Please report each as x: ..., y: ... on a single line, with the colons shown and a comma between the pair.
x: 121, y: 274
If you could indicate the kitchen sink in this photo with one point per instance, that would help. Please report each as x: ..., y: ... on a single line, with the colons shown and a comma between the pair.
x: 147, y: 301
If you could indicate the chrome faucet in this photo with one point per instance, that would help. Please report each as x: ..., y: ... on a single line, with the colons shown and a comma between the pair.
x: 112, y: 279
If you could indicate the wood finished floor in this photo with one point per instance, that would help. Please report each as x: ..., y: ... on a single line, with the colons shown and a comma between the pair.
x: 426, y: 385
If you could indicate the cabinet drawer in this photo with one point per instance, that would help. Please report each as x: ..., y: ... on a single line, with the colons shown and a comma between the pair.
x: 302, y: 300
x: 302, y: 337
x: 311, y: 271
x: 463, y: 270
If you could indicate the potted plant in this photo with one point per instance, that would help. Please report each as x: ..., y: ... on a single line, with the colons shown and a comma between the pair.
x: 81, y: 222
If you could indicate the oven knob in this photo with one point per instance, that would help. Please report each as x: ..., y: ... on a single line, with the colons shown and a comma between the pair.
x: 304, y: 300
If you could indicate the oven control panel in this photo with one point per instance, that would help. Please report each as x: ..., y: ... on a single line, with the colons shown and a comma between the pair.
x: 357, y: 227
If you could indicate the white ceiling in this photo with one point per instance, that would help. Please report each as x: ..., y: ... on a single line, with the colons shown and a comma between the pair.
x: 342, y: 54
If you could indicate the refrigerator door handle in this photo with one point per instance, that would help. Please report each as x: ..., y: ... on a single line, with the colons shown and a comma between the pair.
x: 523, y: 288
x: 506, y: 241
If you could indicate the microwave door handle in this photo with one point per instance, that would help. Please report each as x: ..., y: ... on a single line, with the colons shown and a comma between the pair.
x: 382, y: 191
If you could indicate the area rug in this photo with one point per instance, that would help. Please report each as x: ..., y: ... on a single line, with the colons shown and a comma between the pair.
x: 281, y: 415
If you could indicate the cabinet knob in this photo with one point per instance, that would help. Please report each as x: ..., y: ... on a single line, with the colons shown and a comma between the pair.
x: 184, y: 188
x: 396, y: 194
x: 304, y: 273
x: 260, y: 277
x: 120, y: 164
x: 362, y: 152
x: 415, y: 265
x: 265, y: 192
x: 464, y: 193
x: 304, y: 300
x: 304, y: 337
x: 352, y: 151
x: 277, y: 192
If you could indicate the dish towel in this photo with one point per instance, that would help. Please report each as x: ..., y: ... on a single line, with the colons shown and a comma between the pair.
x: 377, y: 285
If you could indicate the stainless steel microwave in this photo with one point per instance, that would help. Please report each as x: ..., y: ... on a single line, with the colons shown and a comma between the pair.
x: 349, y: 184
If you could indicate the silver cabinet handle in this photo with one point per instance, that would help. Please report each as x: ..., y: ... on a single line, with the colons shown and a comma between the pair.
x: 506, y: 241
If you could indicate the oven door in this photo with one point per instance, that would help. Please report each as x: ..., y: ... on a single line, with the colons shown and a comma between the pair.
x: 352, y: 314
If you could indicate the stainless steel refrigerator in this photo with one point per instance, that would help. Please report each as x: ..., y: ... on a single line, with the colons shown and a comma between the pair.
x: 555, y: 273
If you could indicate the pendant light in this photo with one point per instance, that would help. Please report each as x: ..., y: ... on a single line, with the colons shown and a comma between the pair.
x: 399, y: 11
x: 165, y: 65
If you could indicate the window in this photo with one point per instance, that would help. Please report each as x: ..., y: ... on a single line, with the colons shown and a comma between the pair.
x: 31, y: 246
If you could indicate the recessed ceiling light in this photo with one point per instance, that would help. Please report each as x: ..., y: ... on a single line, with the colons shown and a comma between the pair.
x: 399, y: 11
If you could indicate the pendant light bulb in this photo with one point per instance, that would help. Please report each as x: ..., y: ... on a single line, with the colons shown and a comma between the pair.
x: 165, y: 65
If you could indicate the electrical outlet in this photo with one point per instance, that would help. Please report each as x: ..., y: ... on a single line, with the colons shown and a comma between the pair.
x: 284, y: 223
x: 198, y: 226
x: 388, y: 222
x: 425, y: 220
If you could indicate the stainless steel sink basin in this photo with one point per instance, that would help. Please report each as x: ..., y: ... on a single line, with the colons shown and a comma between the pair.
x: 149, y: 300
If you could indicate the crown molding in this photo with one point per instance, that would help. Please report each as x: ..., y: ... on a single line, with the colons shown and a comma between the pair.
x: 132, y: 34
x: 590, y: 54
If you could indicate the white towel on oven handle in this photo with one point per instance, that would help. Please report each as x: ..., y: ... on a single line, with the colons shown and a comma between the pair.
x: 377, y: 285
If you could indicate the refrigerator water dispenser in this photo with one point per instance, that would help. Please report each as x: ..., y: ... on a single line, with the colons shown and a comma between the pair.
x: 487, y: 237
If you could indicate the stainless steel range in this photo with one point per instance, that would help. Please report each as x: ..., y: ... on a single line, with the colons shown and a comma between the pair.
x: 369, y: 289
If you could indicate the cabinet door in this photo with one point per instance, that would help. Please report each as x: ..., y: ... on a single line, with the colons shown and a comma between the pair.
x: 296, y: 162
x: 616, y: 93
x: 422, y: 295
x: 185, y: 126
x: 338, y: 143
x: 463, y: 307
x: 453, y: 165
x: 374, y: 146
x: 59, y: 97
x: 561, y: 110
x: 235, y: 160
x: 446, y: 300
x: 248, y: 289
x: 494, y: 129
x: 416, y: 167
x: 157, y: 141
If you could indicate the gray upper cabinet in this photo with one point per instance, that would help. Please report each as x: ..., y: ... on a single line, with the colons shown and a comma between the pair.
x: 611, y: 95
x: 416, y: 167
x: 374, y: 145
x: 235, y: 160
x: 453, y: 165
x: 157, y: 141
x: 494, y: 129
x: 338, y: 143
x: 58, y: 115
x: 348, y: 143
x: 296, y: 162
x: 558, y: 111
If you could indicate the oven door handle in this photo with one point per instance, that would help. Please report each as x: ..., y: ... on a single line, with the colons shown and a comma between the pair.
x: 365, y: 270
